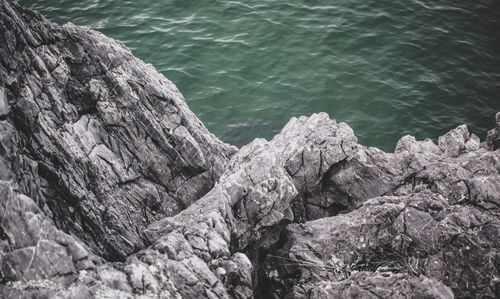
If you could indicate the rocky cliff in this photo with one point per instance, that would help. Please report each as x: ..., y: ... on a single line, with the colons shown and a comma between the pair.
x: 111, y: 188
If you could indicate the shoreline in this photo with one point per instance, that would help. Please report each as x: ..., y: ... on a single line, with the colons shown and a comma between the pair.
x: 111, y: 187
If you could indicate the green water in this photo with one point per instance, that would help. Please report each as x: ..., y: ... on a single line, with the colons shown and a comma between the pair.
x: 387, y: 68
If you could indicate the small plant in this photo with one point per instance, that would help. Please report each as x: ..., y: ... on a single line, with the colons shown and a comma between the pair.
x: 388, y: 260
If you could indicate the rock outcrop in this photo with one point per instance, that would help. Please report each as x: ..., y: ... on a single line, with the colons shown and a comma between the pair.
x: 493, y: 138
x: 99, y: 140
x: 111, y: 188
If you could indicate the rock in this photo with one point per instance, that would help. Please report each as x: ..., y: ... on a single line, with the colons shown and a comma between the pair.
x: 493, y: 138
x: 473, y: 143
x: 4, y: 105
x: 109, y: 143
x: 410, y: 144
x: 110, y: 187
x: 252, y: 196
x: 32, y: 248
x: 375, y: 285
x: 453, y: 142
x: 418, y: 234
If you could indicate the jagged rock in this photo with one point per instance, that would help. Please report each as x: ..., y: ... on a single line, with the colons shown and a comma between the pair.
x: 109, y: 144
x: 32, y: 247
x: 4, y: 105
x: 493, y: 138
x: 418, y: 232
x: 473, y: 144
x: 453, y: 142
x: 375, y: 285
x: 202, y: 248
x: 111, y: 188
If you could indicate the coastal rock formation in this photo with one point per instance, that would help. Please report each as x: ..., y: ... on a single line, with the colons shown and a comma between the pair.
x: 110, y: 187
x: 99, y: 140
x: 426, y: 210
x: 493, y: 138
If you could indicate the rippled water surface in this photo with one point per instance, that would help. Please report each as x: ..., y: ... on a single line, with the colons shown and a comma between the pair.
x: 387, y: 68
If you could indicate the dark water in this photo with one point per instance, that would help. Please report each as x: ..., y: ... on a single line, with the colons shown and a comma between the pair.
x: 387, y: 68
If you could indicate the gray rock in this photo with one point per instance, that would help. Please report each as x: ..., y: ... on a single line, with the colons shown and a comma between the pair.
x: 375, y: 285
x: 32, y: 248
x: 453, y: 142
x: 111, y: 188
x: 418, y: 234
x: 473, y: 144
x: 109, y: 143
x: 493, y: 137
x: 4, y: 105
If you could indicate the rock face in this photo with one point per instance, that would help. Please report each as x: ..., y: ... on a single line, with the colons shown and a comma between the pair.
x: 493, y: 138
x: 99, y: 140
x: 111, y: 188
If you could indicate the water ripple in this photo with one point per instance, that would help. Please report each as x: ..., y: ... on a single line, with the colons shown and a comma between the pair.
x: 245, y: 67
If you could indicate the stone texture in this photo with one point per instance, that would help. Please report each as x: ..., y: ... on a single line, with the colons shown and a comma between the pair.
x: 111, y: 188
x: 419, y: 234
x: 453, y: 142
x: 427, y: 211
x: 493, y: 138
x: 109, y: 144
x: 367, y: 285
x: 4, y: 104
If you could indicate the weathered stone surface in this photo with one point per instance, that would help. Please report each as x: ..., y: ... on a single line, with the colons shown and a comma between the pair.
x: 252, y: 197
x: 493, y: 138
x: 32, y: 248
x: 417, y: 234
x: 111, y: 188
x: 4, y: 105
x: 109, y: 144
x: 368, y: 285
x: 436, y: 214
x: 453, y: 142
x: 200, y: 252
